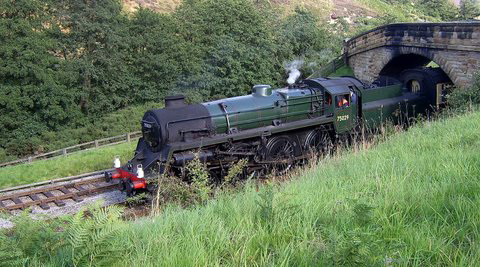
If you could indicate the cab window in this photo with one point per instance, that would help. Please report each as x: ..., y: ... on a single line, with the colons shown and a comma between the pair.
x: 353, y: 96
x: 342, y: 101
x: 328, y: 98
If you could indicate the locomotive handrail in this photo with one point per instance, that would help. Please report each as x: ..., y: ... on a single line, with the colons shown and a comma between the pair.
x: 224, y: 109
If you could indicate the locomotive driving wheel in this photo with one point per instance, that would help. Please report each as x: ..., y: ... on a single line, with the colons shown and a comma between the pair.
x: 318, y: 142
x: 280, y: 152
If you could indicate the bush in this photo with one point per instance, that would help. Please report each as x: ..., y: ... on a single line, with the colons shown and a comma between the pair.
x: 232, y: 44
x: 463, y: 98
x: 82, y: 60
x: 302, y: 36
x: 469, y: 9
x: 443, y: 9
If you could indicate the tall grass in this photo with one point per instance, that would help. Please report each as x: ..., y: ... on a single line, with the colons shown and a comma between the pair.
x: 411, y: 200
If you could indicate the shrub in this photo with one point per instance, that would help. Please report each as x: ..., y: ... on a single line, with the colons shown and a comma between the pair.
x: 462, y: 98
x: 198, y: 173
x: 90, y: 59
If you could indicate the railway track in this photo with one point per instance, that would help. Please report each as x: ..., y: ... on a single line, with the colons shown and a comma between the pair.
x: 55, y: 193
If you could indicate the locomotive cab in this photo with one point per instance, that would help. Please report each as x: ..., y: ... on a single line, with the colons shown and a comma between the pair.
x: 344, y: 106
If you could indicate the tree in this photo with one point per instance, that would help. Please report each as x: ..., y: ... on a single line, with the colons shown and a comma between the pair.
x: 231, y: 44
x: 301, y: 36
x: 158, y: 56
x: 31, y: 98
x: 442, y: 9
x: 94, y: 36
x: 469, y: 9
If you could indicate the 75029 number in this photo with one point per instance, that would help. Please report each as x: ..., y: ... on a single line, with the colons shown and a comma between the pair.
x: 342, y: 118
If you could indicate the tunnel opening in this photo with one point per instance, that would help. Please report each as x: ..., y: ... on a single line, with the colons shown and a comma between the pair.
x: 399, y: 64
x: 419, y: 75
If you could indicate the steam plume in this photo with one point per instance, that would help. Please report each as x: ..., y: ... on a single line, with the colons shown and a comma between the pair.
x: 292, y: 70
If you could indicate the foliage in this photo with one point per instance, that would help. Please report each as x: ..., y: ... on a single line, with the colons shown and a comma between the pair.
x: 113, y: 124
x: 198, y: 173
x: 19, y: 247
x: 80, y: 240
x: 445, y: 10
x: 233, y: 45
x: 89, y: 238
x: 463, y: 98
x: 175, y: 191
x: 138, y: 199
x: 469, y: 9
x: 67, y: 63
x: 235, y: 171
x: 94, y: 43
x: 158, y: 55
x: 32, y: 98
x: 301, y: 35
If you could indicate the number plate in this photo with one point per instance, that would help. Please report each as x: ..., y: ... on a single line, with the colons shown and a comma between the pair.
x: 342, y: 118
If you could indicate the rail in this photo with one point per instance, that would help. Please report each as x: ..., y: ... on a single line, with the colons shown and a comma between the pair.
x: 55, y: 193
x: 124, y: 138
x: 55, y: 181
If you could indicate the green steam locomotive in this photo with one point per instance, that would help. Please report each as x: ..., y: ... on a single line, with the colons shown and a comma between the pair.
x: 272, y: 129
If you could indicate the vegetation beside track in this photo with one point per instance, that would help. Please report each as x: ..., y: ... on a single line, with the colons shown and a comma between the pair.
x: 74, y: 164
x: 411, y: 200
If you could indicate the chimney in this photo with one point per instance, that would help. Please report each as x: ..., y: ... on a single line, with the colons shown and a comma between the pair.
x: 175, y: 101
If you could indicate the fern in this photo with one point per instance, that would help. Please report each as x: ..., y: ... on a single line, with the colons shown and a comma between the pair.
x: 89, y: 236
x: 10, y: 254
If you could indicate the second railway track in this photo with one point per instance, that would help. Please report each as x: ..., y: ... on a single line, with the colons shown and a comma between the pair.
x: 57, y: 193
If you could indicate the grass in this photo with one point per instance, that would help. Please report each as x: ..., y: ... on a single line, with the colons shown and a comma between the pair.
x: 402, y: 12
x: 120, y: 122
x: 411, y: 200
x: 342, y: 71
x: 77, y: 163
x: 123, y: 121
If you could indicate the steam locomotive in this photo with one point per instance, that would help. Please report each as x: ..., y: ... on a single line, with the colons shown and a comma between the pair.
x: 272, y: 129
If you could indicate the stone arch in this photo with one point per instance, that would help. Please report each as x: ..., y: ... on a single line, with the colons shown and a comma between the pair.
x: 404, y: 57
x: 454, y: 46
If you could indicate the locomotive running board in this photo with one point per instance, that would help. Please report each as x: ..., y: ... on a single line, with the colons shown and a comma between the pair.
x: 251, y: 133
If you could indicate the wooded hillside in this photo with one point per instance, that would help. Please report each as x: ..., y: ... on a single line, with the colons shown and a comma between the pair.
x: 66, y: 64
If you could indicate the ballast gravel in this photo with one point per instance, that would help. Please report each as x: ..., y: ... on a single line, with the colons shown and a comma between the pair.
x: 5, y: 223
x: 71, y: 207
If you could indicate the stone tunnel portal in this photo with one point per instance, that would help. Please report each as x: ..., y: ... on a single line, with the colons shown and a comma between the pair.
x: 397, y: 65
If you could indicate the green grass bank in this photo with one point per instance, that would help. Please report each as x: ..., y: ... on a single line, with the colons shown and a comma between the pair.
x: 74, y: 164
x: 411, y: 200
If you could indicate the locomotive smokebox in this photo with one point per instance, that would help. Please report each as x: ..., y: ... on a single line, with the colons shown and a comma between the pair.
x: 175, y: 101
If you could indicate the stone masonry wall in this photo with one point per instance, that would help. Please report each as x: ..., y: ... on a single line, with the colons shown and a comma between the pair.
x: 455, y: 47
